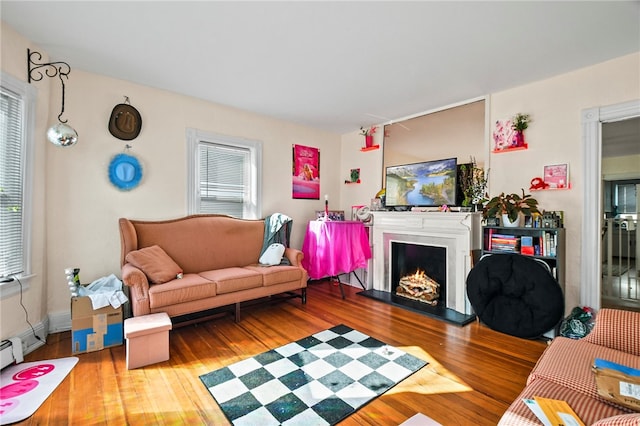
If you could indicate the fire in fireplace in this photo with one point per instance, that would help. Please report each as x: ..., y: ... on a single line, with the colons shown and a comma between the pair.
x: 419, y: 271
x: 420, y: 287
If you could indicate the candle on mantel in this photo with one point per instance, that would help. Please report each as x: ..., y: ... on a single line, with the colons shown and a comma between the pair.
x: 326, y: 206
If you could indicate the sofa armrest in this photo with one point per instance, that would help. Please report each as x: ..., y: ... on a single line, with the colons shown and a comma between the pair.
x: 617, y: 329
x: 138, y: 285
x: 295, y: 256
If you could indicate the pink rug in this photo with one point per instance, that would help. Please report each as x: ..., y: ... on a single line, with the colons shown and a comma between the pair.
x: 24, y: 387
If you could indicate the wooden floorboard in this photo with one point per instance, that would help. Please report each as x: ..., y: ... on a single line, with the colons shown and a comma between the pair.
x: 473, y: 374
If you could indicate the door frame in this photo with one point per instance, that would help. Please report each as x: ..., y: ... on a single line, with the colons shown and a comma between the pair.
x: 591, y: 266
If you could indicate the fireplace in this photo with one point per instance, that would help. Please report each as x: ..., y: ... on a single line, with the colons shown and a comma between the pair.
x: 419, y: 272
x: 445, y: 240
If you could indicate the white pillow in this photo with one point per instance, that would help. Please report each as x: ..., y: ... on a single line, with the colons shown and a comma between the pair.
x: 272, y: 255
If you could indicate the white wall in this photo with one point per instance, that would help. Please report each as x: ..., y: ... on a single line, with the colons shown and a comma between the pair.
x: 369, y: 163
x: 82, y: 207
x: 554, y: 137
x: 621, y: 167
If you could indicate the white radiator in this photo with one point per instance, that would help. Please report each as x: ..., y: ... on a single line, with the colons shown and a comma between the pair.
x: 10, y: 352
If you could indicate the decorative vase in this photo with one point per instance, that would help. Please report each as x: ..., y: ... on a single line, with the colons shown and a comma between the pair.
x: 508, y: 224
x: 519, y: 138
x: 368, y: 141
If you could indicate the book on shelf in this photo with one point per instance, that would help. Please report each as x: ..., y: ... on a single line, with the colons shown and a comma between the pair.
x: 526, y: 245
x: 502, y: 242
x: 549, y: 244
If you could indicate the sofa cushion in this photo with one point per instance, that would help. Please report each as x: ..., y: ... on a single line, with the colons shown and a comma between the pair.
x: 155, y: 263
x: 568, y: 362
x: 588, y: 409
x: 621, y: 420
x: 279, y: 274
x: 229, y: 280
x: 190, y: 287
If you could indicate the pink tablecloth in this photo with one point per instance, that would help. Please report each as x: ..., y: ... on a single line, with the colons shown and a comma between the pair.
x: 334, y: 247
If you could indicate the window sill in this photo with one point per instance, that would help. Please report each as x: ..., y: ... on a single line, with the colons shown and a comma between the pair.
x: 14, y: 287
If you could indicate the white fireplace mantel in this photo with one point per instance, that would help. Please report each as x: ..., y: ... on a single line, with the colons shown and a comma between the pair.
x: 459, y: 233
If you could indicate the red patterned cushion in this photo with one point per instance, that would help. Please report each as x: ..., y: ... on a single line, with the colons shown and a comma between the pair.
x: 617, y: 329
x: 568, y: 362
x: 622, y: 420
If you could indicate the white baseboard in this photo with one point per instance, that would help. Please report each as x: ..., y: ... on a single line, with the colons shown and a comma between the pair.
x: 29, y: 341
x: 54, y: 323
x: 59, y: 322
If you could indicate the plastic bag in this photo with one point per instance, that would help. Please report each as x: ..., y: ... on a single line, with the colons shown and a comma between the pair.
x: 578, y: 323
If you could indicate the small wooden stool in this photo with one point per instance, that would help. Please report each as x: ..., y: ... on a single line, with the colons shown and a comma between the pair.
x: 147, y: 339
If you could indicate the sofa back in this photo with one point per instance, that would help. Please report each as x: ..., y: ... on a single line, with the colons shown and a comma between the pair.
x: 199, y: 242
x: 617, y: 329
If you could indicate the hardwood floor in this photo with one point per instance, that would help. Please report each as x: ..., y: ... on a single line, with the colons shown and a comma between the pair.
x: 473, y: 375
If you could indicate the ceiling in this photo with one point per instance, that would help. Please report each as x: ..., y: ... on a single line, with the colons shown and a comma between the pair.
x: 334, y: 66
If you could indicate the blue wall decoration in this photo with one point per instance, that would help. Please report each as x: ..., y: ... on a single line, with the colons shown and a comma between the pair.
x: 125, y: 172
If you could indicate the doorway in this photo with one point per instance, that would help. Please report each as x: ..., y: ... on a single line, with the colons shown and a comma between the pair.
x: 595, y: 123
x: 620, y: 183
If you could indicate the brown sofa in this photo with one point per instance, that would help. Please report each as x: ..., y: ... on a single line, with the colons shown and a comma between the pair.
x: 200, y: 262
x: 564, y: 371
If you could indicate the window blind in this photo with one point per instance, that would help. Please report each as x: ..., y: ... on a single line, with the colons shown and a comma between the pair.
x: 224, y: 179
x: 11, y: 183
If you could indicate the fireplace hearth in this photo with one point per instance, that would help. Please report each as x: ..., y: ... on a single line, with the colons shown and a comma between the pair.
x: 438, y: 312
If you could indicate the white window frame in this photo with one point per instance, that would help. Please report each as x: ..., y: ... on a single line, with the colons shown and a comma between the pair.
x: 29, y: 97
x: 253, y: 204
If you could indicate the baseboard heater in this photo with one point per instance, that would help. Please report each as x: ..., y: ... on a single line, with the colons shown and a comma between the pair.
x: 10, y: 352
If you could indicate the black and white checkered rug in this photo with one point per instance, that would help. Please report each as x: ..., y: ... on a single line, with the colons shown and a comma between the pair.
x: 318, y: 380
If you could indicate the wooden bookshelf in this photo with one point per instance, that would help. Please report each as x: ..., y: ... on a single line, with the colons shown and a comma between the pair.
x: 547, y: 244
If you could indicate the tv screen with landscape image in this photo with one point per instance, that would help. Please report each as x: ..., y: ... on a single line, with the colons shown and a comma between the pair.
x: 424, y: 184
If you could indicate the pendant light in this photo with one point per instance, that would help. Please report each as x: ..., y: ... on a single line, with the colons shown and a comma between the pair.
x: 60, y: 134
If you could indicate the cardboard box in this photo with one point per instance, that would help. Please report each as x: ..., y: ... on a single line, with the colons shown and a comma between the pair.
x: 618, y: 383
x: 93, y: 330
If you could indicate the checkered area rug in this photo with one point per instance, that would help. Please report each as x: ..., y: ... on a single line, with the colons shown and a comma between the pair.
x: 318, y: 380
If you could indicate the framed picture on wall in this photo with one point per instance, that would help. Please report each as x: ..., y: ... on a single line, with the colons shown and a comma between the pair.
x: 306, y: 172
x: 557, y: 176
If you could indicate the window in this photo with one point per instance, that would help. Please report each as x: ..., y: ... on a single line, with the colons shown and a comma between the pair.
x: 223, y: 175
x: 17, y: 102
x: 625, y: 197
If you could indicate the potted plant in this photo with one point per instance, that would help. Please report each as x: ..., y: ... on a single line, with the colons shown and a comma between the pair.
x: 473, y: 183
x: 368, y: 135
x: 519, y: 124
x: 510, y: 206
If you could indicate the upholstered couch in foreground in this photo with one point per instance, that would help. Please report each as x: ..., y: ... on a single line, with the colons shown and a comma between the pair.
x: 564, y: 372
x: 200, y: 262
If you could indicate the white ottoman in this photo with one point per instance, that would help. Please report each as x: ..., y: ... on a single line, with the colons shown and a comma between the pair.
x: 147, y: 339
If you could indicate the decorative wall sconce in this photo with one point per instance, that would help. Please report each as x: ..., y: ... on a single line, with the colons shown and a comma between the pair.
x: 60, y: 134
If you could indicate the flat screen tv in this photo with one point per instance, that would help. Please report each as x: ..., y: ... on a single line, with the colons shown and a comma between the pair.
x: 424, y: 184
